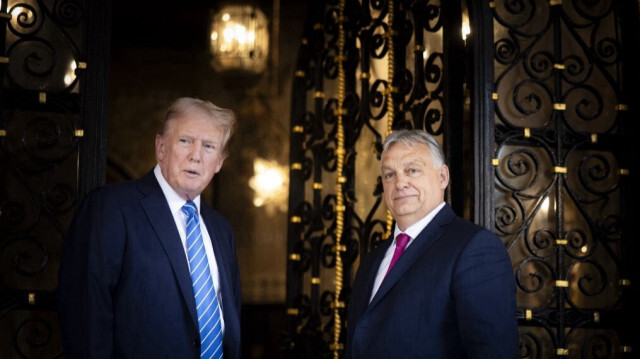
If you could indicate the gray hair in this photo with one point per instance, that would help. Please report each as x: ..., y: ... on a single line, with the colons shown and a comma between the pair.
x: 187, y: 105
x: 413, y: 137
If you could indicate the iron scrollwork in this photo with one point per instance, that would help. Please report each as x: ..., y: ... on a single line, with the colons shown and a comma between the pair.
x: 43, y: 42
x: 558, y: 193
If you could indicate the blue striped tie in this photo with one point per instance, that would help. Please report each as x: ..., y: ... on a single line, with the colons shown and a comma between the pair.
x: 204, y: 292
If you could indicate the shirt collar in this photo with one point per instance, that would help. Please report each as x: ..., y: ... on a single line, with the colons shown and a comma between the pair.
x: 414, y: 230
x: 173, y: 198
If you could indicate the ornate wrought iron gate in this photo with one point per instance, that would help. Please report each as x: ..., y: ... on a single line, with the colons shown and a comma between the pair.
x: 562, y: 172
x: 53, y: 61
x: 532, y: 106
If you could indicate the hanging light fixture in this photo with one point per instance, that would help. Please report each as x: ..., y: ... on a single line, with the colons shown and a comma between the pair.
x: 239, y: 39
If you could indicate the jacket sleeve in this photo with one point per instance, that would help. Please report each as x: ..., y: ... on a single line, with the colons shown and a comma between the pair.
x: 484, y: 294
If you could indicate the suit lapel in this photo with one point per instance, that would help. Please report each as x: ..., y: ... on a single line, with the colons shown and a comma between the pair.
x: 225, y: 258
x: 157, y: 210
x: 372, y: 272
x: 425, y: 239
x: 222, y: 252
x: 365, y: 279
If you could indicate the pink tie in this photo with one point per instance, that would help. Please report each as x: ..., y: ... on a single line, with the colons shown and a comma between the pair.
x: 401, y: 244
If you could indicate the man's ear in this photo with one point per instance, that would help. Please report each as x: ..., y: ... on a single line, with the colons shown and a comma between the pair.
x: 159, y: 147
x: 443, y: 173
x: 221, y: 159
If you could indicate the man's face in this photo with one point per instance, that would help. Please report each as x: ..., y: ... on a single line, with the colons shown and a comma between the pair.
x: 412, y: 186
x: 190, y: 153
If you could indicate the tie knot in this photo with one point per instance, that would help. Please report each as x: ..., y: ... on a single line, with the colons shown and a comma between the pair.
x: 189, y: 208
x: 402, y: 239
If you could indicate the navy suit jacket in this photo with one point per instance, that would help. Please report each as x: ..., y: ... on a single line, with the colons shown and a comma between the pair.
x: 450, y: 295
x: 125, y: 289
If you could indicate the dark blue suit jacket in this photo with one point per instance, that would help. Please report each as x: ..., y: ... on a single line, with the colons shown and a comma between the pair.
x: 125, y: 289
x: 450, y: 295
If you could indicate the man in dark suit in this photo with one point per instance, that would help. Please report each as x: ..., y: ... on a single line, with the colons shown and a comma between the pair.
x: 127, y: 278
x: 450, y: 293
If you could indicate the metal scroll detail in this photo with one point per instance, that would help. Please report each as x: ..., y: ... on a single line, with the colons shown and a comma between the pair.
x: 346, y: 89
x: 41, y: 67
x: 559, y: 173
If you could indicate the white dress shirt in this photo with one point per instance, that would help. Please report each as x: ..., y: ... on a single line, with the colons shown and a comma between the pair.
x: 175, y: 204
x: 413, y: 231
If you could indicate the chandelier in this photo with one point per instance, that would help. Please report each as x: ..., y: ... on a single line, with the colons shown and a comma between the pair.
x: 239, y: 39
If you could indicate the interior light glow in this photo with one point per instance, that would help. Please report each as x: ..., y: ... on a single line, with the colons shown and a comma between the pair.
x: 239, y: 39
x: 270, y: 183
